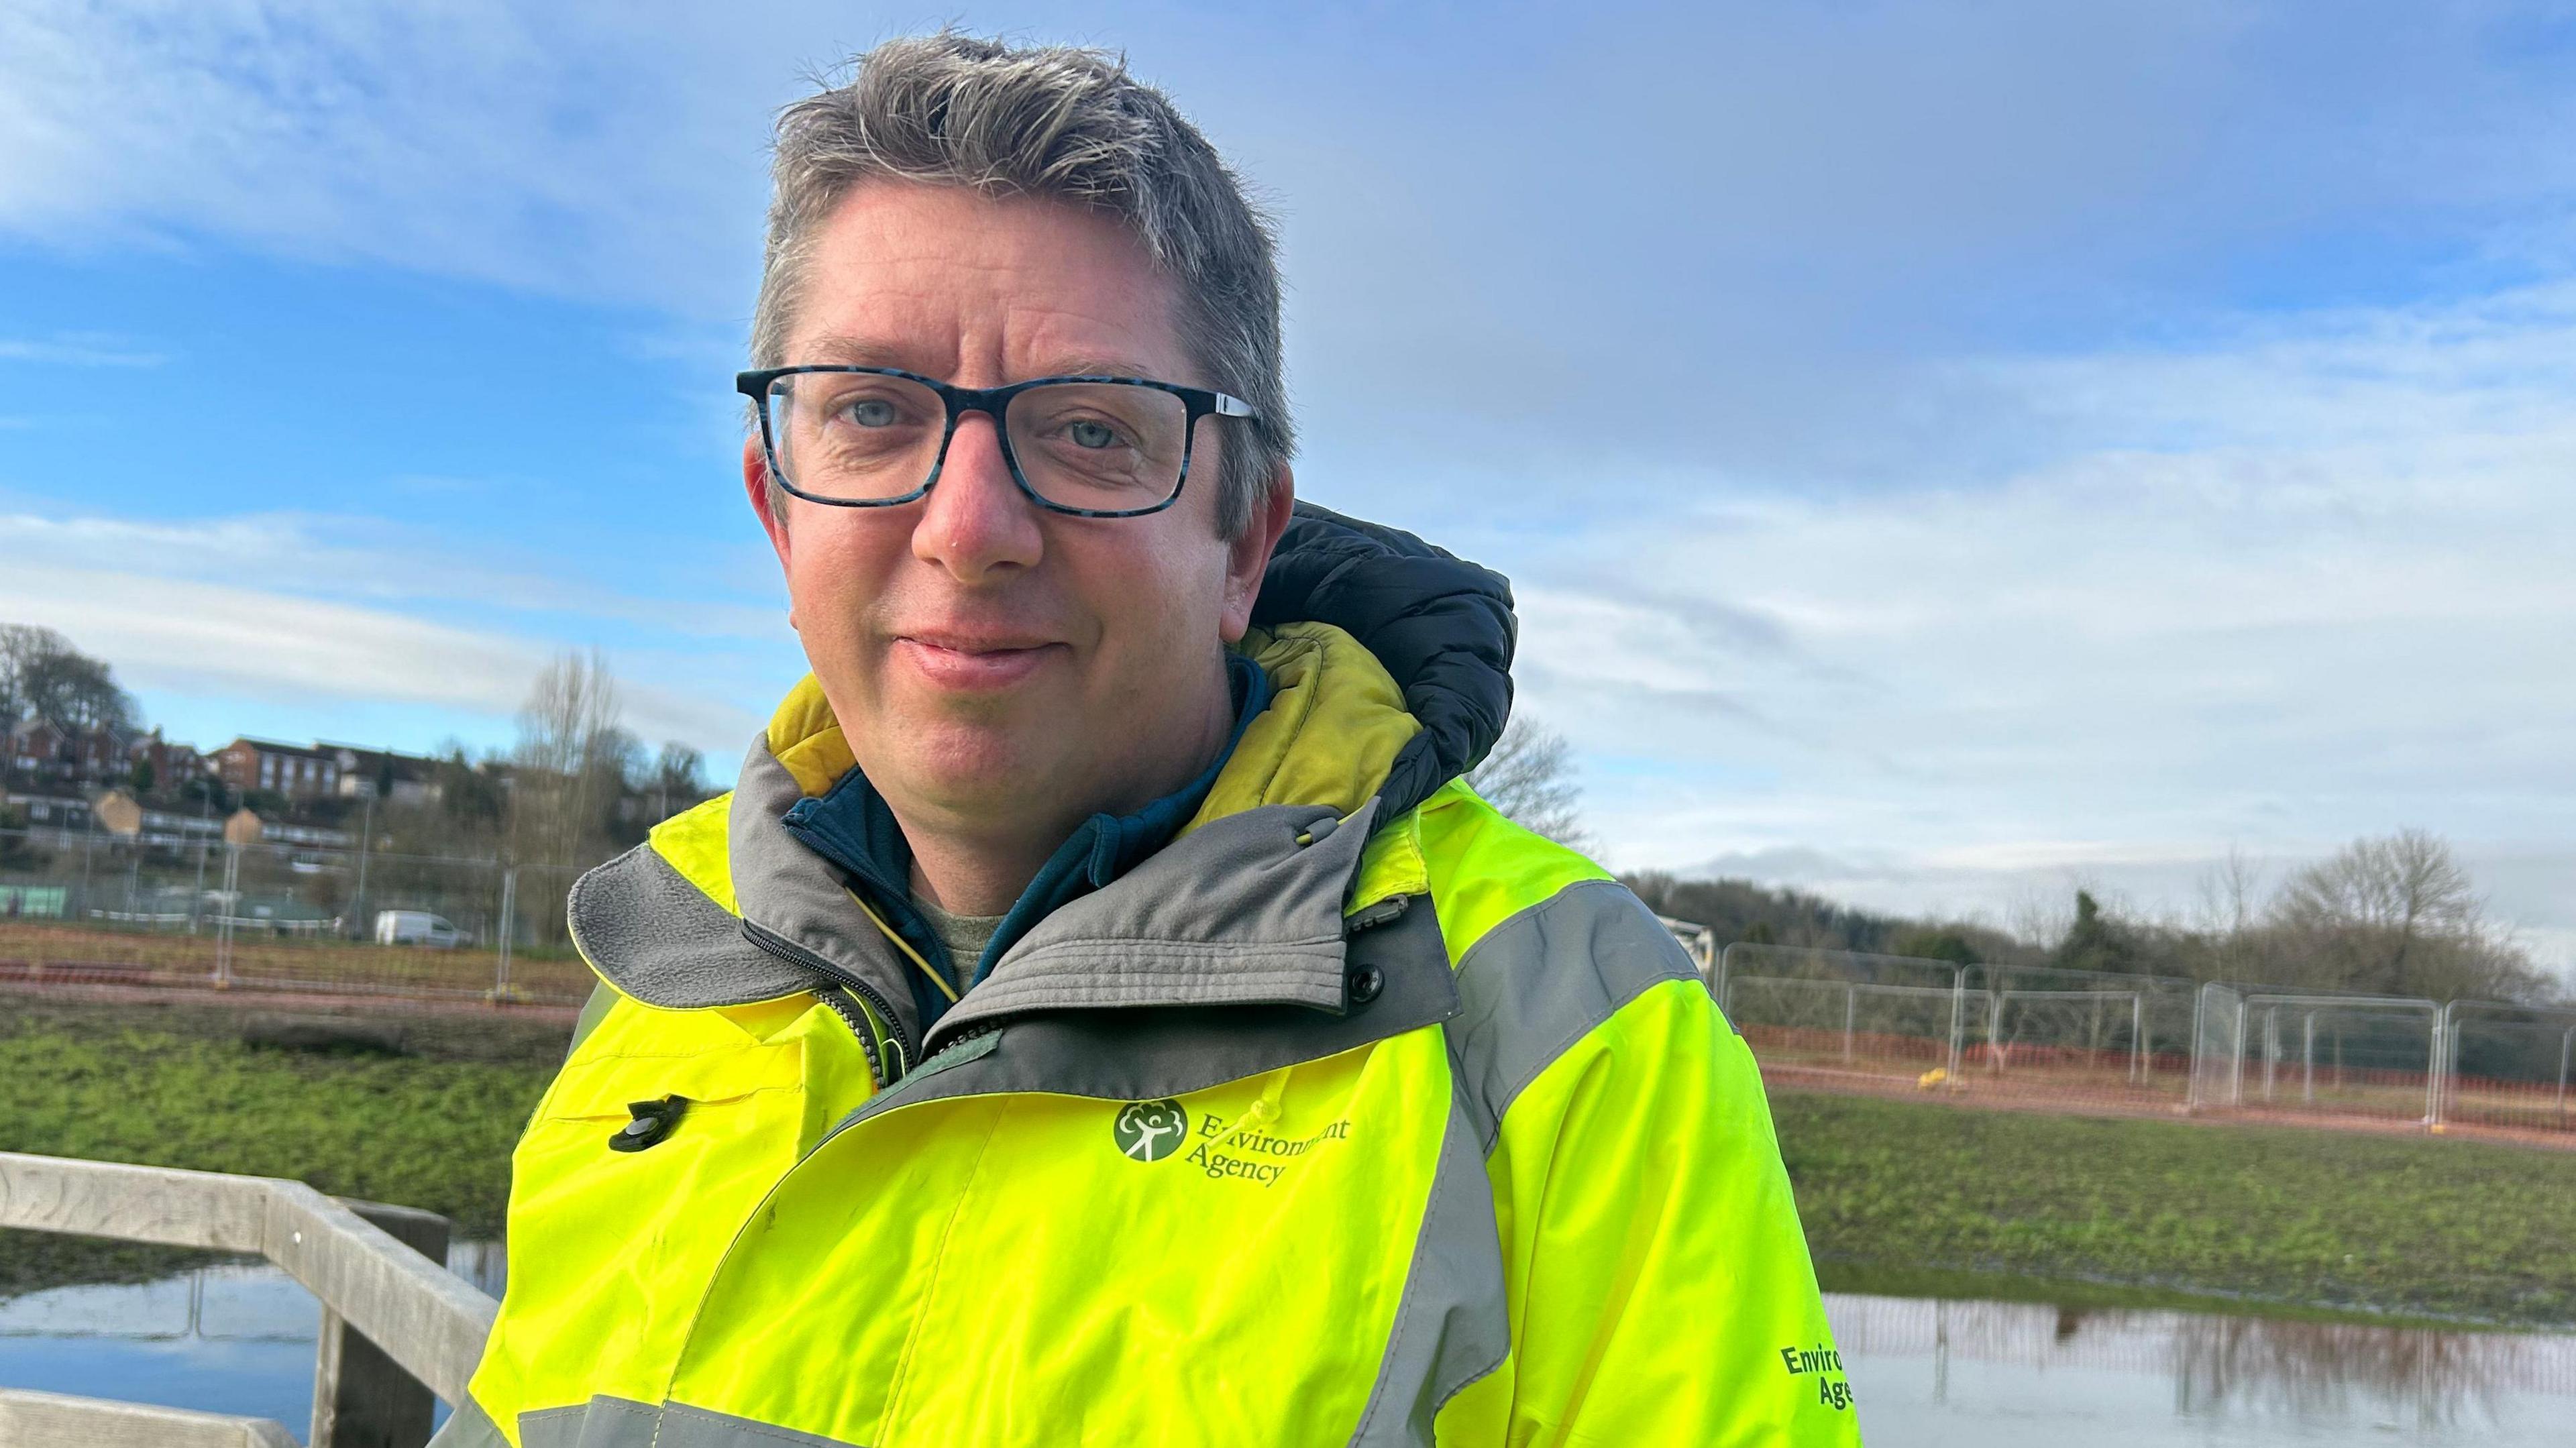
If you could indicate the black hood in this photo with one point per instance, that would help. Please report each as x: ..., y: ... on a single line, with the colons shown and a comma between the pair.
x: 1442, y: 626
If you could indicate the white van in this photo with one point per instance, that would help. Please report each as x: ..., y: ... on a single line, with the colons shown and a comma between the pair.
x: 416, y: 927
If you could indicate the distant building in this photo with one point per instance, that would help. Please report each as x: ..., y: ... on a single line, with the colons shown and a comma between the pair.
x: 47, y: 811
x: 300, y: 772
x: 383, y: 774
x: 40, y: 751
x: 172, y: 765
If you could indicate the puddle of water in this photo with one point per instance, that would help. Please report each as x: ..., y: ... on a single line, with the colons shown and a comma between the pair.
x: 1929, y: 1373
x: 232, y: 1338
x: 1950, y: 1374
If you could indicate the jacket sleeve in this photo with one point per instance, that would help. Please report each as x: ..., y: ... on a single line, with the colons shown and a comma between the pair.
x: 1658, y: 1284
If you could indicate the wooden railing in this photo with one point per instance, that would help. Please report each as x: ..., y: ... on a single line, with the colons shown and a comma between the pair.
x: 397, y: 1327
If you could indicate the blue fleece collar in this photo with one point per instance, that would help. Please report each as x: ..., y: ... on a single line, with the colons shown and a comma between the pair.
x: 851, y: 827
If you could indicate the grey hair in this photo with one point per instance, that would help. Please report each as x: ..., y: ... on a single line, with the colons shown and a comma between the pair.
x: 1063, y: 124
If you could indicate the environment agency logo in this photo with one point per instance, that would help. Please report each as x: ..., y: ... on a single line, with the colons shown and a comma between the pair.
x: 1149, y: 1130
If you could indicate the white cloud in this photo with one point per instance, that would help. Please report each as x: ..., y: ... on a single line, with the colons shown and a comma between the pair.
x: 361, y: 558
x: 78, y: 351
x: 560, y: 147
x: 282, y: 609
x: 2337, y: 601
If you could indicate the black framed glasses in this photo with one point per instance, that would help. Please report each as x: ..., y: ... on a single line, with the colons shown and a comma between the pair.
x: 872, y: 437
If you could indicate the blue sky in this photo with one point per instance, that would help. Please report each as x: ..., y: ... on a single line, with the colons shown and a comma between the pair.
x: 1944, y: 451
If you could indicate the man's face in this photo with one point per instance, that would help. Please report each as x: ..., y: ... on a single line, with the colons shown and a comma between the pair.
x: 996, y: 666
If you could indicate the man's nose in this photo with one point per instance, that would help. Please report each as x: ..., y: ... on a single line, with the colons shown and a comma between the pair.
x: 976, y: 520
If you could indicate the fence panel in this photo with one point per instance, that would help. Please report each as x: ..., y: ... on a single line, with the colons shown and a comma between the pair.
x: 1846, y: 1013
x: 2024, y: 1032
x: 2508, y: 1065
x: 96, y: 909
x: 2101, y: 1034
x: 2359, y: 1057
x: 2217, y: 1060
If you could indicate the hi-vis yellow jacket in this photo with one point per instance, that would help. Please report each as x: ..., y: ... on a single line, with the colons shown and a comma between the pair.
x: 1341, y: 1119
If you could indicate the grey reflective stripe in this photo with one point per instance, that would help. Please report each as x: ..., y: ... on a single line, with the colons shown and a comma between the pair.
x: 687, y: 1427
x: 1539, y: 981
x: 1453, y: 1325
x: 603, y: 999
x: 621, y: 1423
x: 599, y: 1423
x: 1151, y: 1054
x: 1236, y: 912
x: 469, y: 1427
x: 657, y: 937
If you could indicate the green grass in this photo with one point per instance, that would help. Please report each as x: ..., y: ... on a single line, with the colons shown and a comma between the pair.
x: 1897, y: 1196
x: 178, y: 1088
x: 2421, y: 1227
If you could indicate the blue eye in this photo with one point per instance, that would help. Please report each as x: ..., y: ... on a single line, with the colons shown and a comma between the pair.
x: 1093, y: 435
x: 872, y: 412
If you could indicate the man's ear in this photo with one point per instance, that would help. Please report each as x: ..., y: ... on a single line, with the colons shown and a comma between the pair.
x: 765, y: 500
x: 1248, y: 556
x: 769, y: 505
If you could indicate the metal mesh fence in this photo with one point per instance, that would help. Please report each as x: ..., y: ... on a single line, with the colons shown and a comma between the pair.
x: 2041, y: 1036
x: 86, y: 910
x: 2508, y: 1065
x: 2218, y: 1023
x: 2097, y: 1031
x: 2359, y: 1056
x: 1847, y: 1013
x: 107, y: 910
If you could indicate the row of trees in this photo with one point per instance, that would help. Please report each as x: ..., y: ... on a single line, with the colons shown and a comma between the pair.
x: 2389, y: 915
x: 2392, y: 915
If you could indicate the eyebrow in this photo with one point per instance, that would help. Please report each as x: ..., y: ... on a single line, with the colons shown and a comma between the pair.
x: 844, y: 350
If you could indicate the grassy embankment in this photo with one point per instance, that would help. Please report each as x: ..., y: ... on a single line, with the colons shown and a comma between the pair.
x: 175, y: 1086
x: 1899, y: 1196
x: 1913, y: 1198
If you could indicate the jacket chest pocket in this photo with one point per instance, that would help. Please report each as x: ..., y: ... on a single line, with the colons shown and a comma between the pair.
x: 614, y: 1231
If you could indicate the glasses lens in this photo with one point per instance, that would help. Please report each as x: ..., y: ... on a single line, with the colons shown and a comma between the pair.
x: 854, y: 436
x: 1107, y: 447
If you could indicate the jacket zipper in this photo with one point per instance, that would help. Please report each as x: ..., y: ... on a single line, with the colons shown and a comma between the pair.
x: 905, y: 1048
x: 981, y: 1028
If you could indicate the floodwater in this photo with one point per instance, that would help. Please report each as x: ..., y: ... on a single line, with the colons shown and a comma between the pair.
x: 1927, y: 1373
x: 223, y: 1339
x: 1946, y: 1374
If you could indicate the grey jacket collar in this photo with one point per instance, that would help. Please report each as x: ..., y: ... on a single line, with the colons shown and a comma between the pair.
x: 1245, y: 910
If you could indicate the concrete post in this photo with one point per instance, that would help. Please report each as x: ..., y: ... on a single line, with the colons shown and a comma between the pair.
x: 509, y: 928
x: 2566, y: 1043
x: 2138, y: 1032
x: 224, y: 922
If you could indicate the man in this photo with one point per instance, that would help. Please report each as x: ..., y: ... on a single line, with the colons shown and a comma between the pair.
x: 1101, y: 1014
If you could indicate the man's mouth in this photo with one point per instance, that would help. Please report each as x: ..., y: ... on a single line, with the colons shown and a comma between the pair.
x: 971, y: 661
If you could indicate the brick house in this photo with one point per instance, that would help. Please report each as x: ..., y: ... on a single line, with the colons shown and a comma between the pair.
x: 297, y: 771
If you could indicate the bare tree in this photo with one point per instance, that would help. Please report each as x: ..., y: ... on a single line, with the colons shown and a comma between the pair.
x: 570, y: 762
x: 2395, y: 914
x: 1529, y: 776
x: 2231, y: 910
